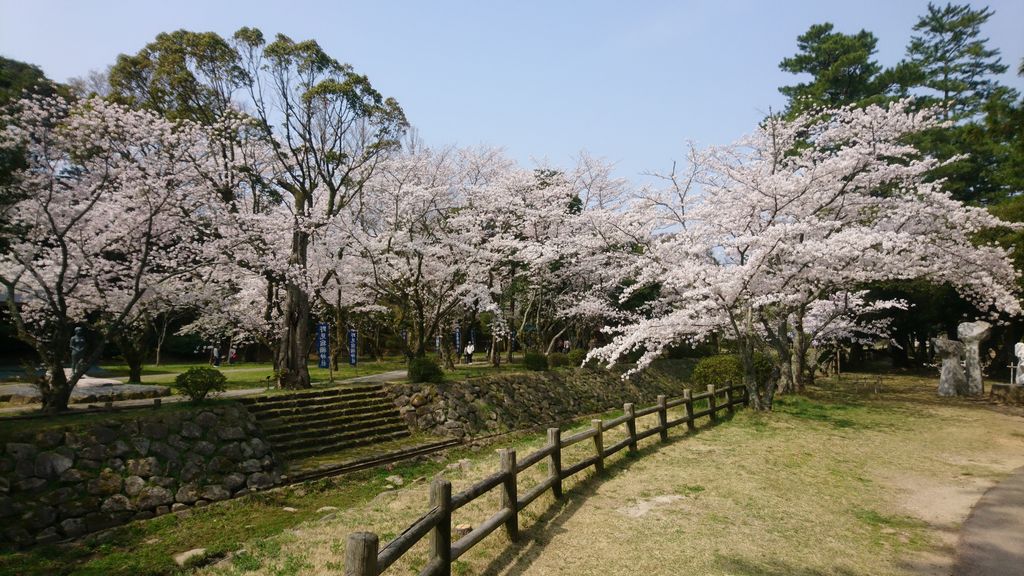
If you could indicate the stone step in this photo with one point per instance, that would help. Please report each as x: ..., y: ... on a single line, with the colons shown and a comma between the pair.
x: 325, y: 419
x: 315, y: 422
x: 367, y: 403
x: 325, y: 397
x: 341, y: 391
x: 325, y: 430
x: 304, y: 447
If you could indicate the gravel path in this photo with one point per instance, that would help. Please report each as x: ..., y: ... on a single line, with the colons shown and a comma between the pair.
x: 371, y: 379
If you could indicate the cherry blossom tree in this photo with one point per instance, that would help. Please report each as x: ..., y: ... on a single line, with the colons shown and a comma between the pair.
x: 793, y: 214
x: 411, y: 246
x: 553, y: 241
x: 110, y: 209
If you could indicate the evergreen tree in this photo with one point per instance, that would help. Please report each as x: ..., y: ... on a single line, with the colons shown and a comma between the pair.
x: 955, y: 69
x: 842, y: 68
x: 953, y: 59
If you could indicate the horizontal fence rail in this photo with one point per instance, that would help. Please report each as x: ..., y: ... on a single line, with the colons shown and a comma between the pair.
x: 363, y: 557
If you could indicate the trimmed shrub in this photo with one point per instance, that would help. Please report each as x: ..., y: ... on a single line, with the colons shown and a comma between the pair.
x: 425, y: 370
x: 724, y: 369
x: 576, y: 356
x: 535, y: 361
x: 197, y: 382
x: 556, y: 359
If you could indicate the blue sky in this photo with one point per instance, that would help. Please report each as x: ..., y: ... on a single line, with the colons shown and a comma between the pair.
x: 630, y: 82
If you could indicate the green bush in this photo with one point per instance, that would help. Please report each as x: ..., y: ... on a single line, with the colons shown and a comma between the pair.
x: 198, y: 381
x: 725, y: 369
x: 535, y: 361
x: 556, y: 359
x: 576, y: 356
x: 425, y: 370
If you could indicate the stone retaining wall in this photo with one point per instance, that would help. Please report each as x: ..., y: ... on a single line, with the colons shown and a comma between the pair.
x: 67, y: 481
x: 516, y: 401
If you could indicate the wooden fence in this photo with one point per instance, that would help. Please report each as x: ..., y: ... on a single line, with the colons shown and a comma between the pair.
x: 364, y: 558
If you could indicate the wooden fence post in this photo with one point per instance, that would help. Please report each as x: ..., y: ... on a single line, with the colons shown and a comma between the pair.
x: 598, y: 425
x: 712, y: 403
x: 688, y: 409
x: 361, y: 554
x: 728, y: 399
x: 630, y: 424
x: 441, y: 535
x: 663, y: 417
x: 509, y: 493
x: 555, y: 461
x: 746, y: 396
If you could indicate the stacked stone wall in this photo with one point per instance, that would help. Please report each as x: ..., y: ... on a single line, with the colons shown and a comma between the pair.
x: 69, y: 480
x: 524, y: 400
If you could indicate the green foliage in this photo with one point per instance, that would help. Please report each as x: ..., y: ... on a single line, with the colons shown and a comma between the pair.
x: 723, y: 369
x: 576, y: 356
x: 556, y: 359
x: 425, y: 370
x: 842, y: 68
x: 19, y: 78
x: 181, y: 75
x: 535, y: 361
x: 953, y: 60
x: 198, y: 381
x: 958, y: 72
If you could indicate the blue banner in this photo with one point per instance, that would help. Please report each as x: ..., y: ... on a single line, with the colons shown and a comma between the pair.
x: 458, y: 341
x: 437, y: 344
x: 353, y: 341
x: 323, y: 344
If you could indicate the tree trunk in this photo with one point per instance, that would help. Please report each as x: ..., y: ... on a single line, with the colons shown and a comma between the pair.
x: 161, y: 335
x: 295, y: 342
x: 553, y: 340
x: 293, y: 369
x: 511, y: 323
x: 134, y: 353
x: 802, y: 345
x: 495, y: 352
x: 55, y: 389
x: 760, y: 395
x: 446, y: 352
x: 758, y: 400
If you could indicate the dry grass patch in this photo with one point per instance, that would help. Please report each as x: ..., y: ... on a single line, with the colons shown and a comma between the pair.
x: 851, y: 480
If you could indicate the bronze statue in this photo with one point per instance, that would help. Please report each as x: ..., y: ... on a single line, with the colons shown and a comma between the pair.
x: 77, y: 351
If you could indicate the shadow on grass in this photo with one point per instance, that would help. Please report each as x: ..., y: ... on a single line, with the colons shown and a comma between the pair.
x: 775, y: 567
x: 834, y: 414
x: 517, y: 558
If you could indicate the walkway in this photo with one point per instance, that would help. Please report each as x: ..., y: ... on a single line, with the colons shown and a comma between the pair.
x: 370, y: 379
x: 992, y: 538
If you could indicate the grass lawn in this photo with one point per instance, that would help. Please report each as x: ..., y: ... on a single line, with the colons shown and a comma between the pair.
x: 858, y: 477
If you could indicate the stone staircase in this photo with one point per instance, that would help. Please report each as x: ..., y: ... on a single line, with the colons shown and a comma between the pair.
x: 305, y: 424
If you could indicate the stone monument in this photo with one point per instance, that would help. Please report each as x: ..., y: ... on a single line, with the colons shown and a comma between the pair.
x: 77, y: 351
x: 951, y: 379
x: 1018, y: 351
x: 972, y: 334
